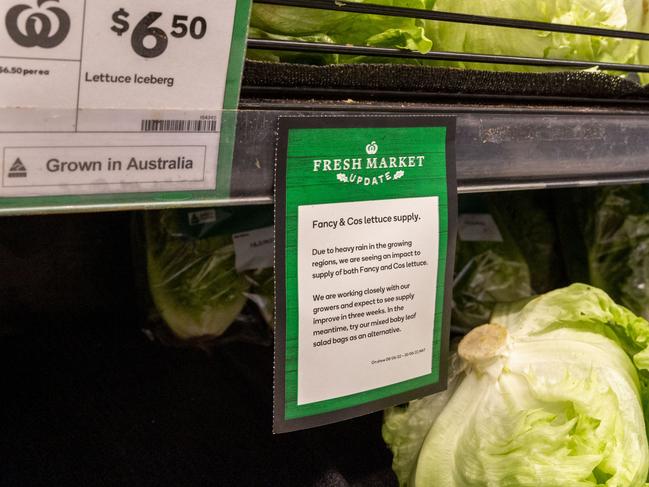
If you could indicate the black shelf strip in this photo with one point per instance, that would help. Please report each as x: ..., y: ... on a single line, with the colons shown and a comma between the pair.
x: 318, y: 47
x: 366, y: 8
x: 278, y: 93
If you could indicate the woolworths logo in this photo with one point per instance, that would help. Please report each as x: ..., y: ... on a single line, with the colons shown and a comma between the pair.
x: 371, y: 169
x: 372, y: 148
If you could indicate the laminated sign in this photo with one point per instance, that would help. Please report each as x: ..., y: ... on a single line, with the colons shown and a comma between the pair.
x: 365, y: 226
x: 108, y: 102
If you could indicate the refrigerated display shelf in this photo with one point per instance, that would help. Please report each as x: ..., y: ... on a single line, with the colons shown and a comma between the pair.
x: 387, y: 52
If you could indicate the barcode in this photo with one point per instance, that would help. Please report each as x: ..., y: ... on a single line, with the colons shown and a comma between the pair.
x: 179, y: 126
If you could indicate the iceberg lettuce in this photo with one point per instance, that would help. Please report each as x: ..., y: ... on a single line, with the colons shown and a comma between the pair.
x: 314, y: 25
x: 551, y: 394
x: 610, y: 14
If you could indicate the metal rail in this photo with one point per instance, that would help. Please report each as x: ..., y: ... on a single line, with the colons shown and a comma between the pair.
x: 368, y: 8
x: 498, y: 148
x: 324, y: 48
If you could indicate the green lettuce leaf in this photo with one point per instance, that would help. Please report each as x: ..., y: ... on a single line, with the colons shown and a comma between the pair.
x: 492, y: 270
x: 300, y: 24
x: 405, y: 427
x: 314, y: 25
x: 610, y: 14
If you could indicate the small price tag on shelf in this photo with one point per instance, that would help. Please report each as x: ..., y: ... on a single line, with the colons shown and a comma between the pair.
x: 478, y: 227
x: 254, y: 249
x: 118, y: 97
x: 364, y: 208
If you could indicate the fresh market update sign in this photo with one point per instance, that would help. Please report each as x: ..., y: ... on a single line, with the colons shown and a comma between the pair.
x: 364, y: 210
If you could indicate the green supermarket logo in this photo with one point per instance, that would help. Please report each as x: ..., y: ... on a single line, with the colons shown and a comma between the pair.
x: 370, y: 169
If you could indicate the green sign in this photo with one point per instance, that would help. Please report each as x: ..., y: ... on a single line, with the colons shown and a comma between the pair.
x: 364, y: 210
x: 132, y: 106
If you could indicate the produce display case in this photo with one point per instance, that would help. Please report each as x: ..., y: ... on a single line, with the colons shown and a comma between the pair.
x: 95, y: 402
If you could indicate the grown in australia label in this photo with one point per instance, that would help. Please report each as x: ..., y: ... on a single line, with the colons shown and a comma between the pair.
x: 52, y: 170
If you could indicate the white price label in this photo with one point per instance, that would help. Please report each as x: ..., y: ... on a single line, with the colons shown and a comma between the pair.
x: 478, y: 227
x: 254, y: 250
x: 112, y: 96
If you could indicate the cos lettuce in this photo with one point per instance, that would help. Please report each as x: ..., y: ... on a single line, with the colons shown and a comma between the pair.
x: 616, y: 233
x: 550, y: 394
x: 192, y: 268
x: 193, y: 281
x: 515, y: 257
x: 490, y: 267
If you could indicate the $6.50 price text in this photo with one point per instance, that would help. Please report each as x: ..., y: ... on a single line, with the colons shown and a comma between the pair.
x: 150, y: 41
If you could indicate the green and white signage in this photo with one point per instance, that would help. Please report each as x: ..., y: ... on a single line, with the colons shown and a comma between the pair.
x: 364, y: 210
x: 108, y: 103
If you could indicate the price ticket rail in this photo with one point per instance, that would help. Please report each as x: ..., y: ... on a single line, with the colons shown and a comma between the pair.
x: 498, y: 147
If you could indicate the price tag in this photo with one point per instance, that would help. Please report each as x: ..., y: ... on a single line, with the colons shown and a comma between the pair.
x: 364, y: 208
x: 118, y: 97
x: 478, y: 227
x: 254, y: 249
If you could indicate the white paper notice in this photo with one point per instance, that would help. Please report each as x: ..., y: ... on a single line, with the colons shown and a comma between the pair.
x: 367, y: 286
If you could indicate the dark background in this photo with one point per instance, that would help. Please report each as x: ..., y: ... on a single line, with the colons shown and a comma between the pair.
x: 88, y: 399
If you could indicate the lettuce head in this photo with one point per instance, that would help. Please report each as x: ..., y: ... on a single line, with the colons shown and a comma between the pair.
x: 608, y: 14
x: 551, y: 393
x: 193, y: 281
x: 315, y: 25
